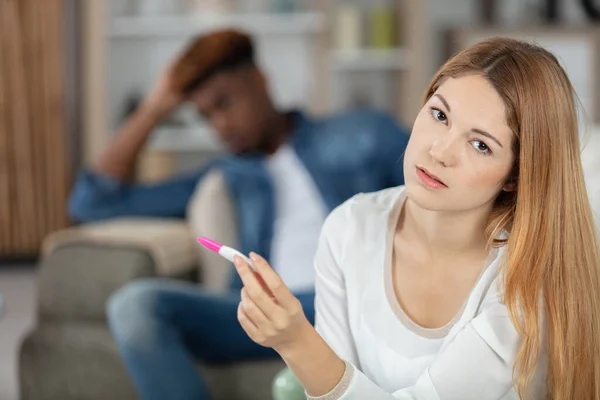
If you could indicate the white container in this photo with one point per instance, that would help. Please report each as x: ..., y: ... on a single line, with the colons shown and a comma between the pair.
x: 157, y: 8
x: 210, y: 6
x: 348, y: 32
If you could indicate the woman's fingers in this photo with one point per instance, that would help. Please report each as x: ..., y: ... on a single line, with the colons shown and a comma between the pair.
x: 252, y: 311
x: 269, y: 312
x: 282, y: 293
x: 246, y: 323
x: 254, y: 289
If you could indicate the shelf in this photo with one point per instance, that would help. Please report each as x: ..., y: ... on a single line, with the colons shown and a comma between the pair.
x: 369, y: 59
x: 264, y: 23
x: 180, y: 139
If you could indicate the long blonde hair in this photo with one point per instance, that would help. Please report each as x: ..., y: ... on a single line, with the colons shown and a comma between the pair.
x: 552, y: 265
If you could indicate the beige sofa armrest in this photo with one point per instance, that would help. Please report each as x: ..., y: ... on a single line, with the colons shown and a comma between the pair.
x: 211, y: 213
x: 168, y: 241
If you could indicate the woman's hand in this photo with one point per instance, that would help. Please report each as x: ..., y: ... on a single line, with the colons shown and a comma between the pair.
x: 273, y: 317
x: 269, y: 313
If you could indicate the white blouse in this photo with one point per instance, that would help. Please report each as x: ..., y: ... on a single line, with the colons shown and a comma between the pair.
x: 387, y: 355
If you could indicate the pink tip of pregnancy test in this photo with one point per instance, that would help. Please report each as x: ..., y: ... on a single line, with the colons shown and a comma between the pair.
x: 210, y: 244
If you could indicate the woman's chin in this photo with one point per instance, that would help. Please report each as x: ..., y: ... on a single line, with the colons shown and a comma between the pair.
x: 425, y: 198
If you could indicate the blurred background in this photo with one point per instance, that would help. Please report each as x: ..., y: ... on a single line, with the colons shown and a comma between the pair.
x: 72, y: 70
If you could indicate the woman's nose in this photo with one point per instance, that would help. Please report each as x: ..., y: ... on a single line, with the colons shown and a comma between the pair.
x: 442, y: 150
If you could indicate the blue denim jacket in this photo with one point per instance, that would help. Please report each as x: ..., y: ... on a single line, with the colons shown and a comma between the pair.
x: 346, y: 154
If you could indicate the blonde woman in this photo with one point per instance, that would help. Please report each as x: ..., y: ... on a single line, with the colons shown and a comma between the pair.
x: 478, y: 279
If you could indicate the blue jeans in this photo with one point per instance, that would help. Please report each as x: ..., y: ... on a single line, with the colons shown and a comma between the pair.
x: 162, y: 327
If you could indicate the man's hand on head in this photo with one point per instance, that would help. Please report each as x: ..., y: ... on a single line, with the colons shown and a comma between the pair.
x: 163, y: 99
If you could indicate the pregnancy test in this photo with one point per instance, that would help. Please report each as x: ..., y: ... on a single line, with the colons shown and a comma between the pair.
x: 224, y: 251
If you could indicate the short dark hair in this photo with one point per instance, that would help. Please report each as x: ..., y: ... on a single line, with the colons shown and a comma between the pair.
x: 208, y: 54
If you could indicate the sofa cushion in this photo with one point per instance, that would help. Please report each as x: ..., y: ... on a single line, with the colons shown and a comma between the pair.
x: 72, y: 361
x: 80, y: 361
x: 76, y: 279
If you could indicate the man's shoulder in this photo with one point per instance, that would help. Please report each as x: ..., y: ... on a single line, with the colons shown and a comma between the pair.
x: 361, y: 120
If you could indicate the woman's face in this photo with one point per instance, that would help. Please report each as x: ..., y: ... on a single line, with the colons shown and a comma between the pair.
x: 460, y: 154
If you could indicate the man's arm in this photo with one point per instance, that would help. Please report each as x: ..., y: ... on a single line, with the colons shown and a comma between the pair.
x: 106, y: 189
x: 96, y: 197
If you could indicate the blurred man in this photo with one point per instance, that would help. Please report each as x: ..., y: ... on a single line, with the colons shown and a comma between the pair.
x: 285, y: 172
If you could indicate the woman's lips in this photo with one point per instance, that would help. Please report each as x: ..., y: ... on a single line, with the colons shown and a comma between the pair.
x: 429, y: 179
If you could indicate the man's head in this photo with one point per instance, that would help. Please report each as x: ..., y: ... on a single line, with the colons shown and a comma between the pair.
x: 218, y: 74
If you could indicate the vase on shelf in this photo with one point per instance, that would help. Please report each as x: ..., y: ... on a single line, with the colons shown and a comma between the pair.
x: 487, y: 11
x: 551, y: 11
x: 382, y: 25
x: 211, y: 6
x: 591, y: 10
x: 155, y: 8
x: 348, y: 26
x: 283, y: 5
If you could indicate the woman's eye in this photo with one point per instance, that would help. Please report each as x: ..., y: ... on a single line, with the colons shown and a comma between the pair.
x: 481, y: 147
x: 439, y: 116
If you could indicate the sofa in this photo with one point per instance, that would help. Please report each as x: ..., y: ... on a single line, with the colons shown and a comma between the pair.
x: 70, y: 353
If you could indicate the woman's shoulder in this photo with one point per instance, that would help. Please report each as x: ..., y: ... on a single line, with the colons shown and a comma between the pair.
x: 363, y: 213
x: 358, y: 226
x: 363, y: 207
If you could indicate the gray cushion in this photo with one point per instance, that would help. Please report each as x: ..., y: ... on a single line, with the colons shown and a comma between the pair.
x: 80, y: 361
x: 72, y: 361
x: 75, y: 281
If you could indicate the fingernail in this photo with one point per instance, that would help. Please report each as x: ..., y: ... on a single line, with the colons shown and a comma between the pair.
x: 237, y: 260
x: 253, y: 256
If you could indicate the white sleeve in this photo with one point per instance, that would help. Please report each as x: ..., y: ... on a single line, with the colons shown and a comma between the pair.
x: 331, y: 308
x: 476, y: 365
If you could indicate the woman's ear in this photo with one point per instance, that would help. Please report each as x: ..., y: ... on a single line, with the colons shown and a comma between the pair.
x: 510, y: 186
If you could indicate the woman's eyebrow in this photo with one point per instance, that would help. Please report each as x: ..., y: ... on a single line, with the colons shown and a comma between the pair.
x: 443, y: 100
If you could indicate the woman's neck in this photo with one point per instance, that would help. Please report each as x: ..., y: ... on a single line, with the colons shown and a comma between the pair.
x: 444, y: 235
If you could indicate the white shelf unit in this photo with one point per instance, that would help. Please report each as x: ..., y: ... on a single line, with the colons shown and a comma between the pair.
x: 293, y: 23
x: 367, y: 66
x: 111, y: 42
x: 370, y: 59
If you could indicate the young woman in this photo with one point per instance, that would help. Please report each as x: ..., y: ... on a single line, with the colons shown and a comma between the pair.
x: 479, y: 278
